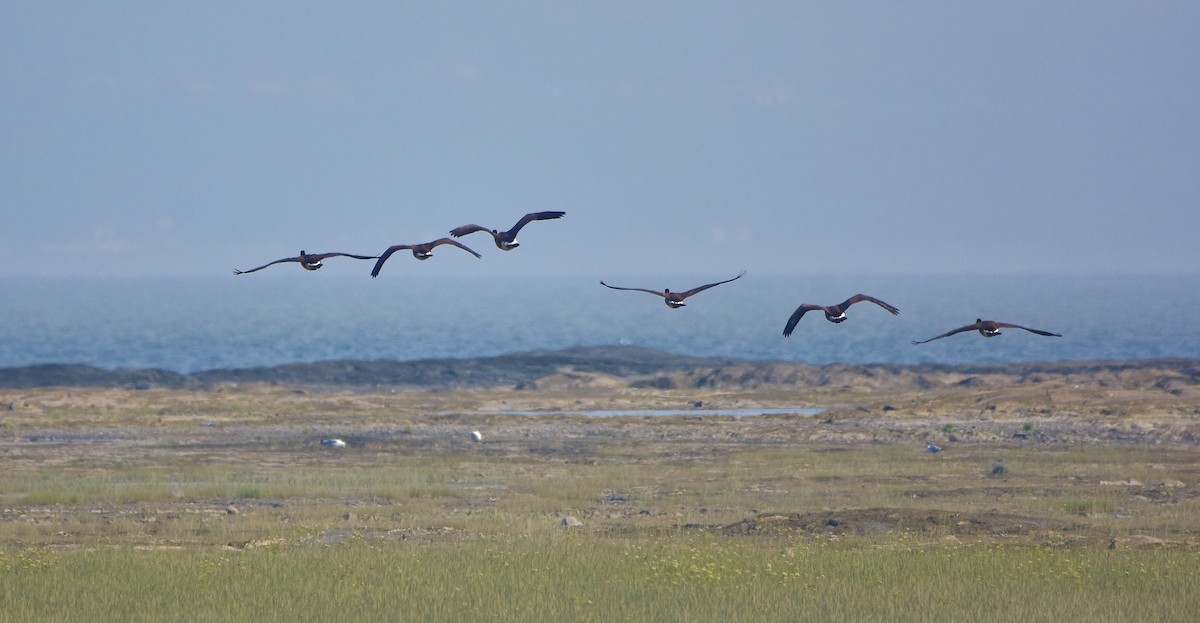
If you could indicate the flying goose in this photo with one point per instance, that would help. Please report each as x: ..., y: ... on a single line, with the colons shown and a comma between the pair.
x: 833, y: 313
x: 674, y: 300
x: 307, y: 261
x: 420, y: 251
x: 987, y: 328
x: 506, y: 240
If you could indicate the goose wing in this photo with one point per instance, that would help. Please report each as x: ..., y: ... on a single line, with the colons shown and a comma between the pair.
x: 797, y: 315
x: 468, y: 229
x: 702, y: 288
x: 325, y: 256
x: 654, y: 292
x: 858, y: 298
x: 1037, y: 331
x: 286, y: 259
x: 453, y: 242
x: 533, y: 216
x: 970, y: 327
x: 383, y: 257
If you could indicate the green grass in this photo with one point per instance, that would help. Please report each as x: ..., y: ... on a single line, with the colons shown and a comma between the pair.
x: 414, y: 522
x: 554, y: 576
x: 1087, y: 506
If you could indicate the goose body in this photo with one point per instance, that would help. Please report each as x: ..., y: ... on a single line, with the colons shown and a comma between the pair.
x: 987, y: 328
x: 307, y: 261
x: 506, y: 240
x: 674, y: 300
x: 421, y: 251
x: 833, y: 313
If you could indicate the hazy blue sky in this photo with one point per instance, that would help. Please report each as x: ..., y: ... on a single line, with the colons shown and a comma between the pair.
x: 699, y: 137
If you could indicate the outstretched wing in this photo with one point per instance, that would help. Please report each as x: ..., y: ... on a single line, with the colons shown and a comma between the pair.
x: 858, y: 298
x: 451, y: 241
x: 655, y: 293
x: 286, y: 259
x: 324, y: 256
x: 700, y: 289
x: 533, y: 216
x: 385, y: 255
x: 1037, y: 331
x: 468, y: 229
x: 797, y: 315
x: 970, y: 327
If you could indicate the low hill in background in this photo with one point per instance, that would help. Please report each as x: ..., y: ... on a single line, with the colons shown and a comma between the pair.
x: 509, y: 369
x: 637, y: 365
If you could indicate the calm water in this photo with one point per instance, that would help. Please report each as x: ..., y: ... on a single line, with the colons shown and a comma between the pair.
x: 262, y: 320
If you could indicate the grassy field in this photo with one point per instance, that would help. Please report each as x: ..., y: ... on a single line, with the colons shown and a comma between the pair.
x: 222, y: 505
x: 587, y: 577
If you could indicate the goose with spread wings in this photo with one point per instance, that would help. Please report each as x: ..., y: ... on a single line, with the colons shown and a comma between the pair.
x: 506, y: 240
x: 422, y: 251
x: 833, y: 313
x: 674, y: 300
x: 307, y: 261
x: 987, y: 328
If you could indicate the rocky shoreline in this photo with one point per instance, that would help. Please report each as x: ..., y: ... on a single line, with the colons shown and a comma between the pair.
x: 640, y: 367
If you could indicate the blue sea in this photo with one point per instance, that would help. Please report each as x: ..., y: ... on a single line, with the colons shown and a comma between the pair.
x: 191, y: 324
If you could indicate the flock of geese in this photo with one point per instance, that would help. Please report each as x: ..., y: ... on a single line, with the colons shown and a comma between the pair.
x: 507, y: 241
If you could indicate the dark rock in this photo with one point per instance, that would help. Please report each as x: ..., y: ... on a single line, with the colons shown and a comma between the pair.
x: 653, y: 368
x: 76, y: 375
x: 658, y: 382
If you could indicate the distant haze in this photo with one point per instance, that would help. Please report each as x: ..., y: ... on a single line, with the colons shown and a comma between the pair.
x: 702, y: 138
